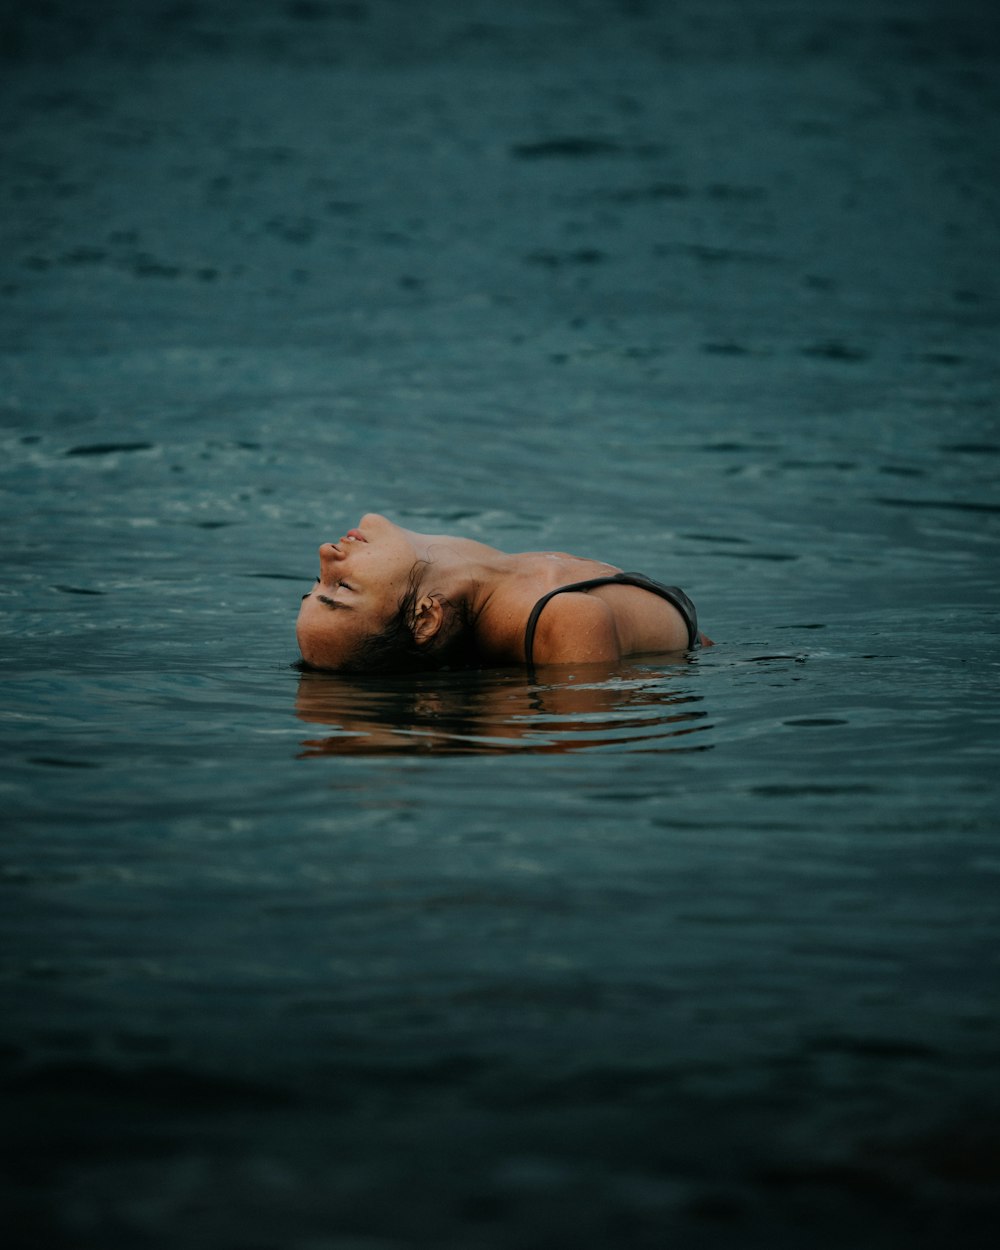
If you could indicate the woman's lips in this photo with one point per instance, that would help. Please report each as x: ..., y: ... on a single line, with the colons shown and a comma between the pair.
x: 355, y: 536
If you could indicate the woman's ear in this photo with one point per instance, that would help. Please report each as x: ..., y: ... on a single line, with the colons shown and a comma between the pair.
x: 428, y: 617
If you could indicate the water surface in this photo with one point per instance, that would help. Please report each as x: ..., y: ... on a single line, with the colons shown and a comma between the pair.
x: 698, y: 950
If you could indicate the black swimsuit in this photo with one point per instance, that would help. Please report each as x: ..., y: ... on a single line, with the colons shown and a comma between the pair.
x: 673, y: 595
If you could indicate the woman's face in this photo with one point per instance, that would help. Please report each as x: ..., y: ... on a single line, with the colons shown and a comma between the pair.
x: 362, y: 578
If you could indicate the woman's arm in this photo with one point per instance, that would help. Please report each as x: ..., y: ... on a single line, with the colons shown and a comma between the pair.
x: 576, y: 629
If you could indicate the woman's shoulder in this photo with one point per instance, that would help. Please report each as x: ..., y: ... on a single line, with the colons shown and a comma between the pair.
x: 537, y: 573
x: 576, y: 628
x: 530, y: 578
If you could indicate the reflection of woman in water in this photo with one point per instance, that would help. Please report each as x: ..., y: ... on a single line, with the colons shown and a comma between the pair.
x: 642, y: 706
x: 390, y: 599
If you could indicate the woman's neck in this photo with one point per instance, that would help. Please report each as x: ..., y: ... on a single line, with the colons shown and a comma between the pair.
x: 462, y: 570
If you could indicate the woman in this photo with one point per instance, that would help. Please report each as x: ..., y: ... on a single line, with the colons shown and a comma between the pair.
x: 390, y: 599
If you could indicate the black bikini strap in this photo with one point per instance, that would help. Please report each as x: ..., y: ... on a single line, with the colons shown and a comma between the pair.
x: 673, y: 595
x: 536, y: 611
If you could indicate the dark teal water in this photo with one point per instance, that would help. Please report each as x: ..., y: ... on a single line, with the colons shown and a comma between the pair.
x: 701, y: 952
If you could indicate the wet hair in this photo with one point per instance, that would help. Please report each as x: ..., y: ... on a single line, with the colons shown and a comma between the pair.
x: 394, y: 649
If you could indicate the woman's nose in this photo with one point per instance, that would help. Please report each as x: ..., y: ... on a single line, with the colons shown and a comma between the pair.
x: 329, y: 553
